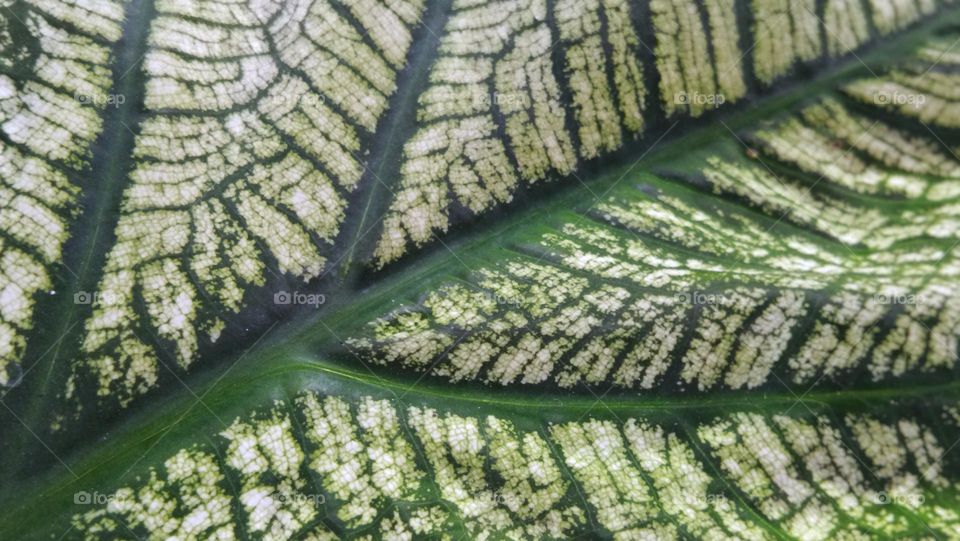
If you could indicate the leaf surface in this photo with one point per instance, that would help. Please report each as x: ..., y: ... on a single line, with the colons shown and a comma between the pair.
x: 690, y: 273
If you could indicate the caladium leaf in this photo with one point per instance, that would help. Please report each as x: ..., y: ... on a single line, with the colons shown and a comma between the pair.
x: 571, y: 269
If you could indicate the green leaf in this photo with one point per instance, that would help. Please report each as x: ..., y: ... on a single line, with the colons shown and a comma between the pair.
x: 569, y: 269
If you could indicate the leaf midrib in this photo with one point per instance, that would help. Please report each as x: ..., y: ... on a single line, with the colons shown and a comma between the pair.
x: 500, y: 397
x: 135, y: 442
x: 398, y: 124
x: 91, y: 236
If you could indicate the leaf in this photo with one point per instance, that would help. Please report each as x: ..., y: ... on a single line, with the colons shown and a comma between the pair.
x: 715, y: 324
